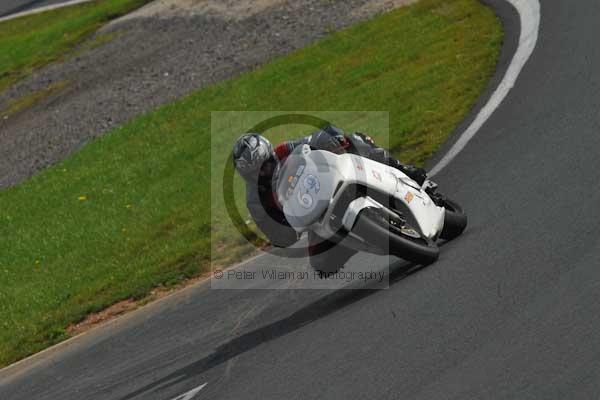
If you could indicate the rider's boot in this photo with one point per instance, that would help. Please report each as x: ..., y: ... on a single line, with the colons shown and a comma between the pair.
x: 417, y: 174
x: 430, y: 187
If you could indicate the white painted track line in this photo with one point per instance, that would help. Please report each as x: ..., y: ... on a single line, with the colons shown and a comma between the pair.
x: 529, y: 14
x: 191, y: 394
x: 42, y: 9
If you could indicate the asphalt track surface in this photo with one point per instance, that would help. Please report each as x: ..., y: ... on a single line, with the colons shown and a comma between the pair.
x: 8, y: 7
x: 510, y: 311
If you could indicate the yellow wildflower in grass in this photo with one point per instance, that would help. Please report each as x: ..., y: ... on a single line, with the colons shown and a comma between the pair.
x: 82, y: 198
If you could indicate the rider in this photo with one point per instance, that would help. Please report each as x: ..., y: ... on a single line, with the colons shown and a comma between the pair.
x: 256, y: 161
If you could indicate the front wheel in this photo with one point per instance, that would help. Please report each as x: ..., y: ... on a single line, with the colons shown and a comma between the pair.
x: 389, y: 232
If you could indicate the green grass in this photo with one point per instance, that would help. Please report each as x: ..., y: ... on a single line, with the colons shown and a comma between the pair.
x: 132, y: 210
x: 32, y: 41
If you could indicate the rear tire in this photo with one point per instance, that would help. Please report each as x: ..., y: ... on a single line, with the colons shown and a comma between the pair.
x: 455, y: 219
x: 372, y: 226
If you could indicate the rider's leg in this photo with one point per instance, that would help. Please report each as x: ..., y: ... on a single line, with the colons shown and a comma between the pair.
x: 366, y: 147
x: 417, y: 174
x: 333, y: 139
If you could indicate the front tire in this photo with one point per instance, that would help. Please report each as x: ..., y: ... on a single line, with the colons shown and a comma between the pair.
x: 378, y: 229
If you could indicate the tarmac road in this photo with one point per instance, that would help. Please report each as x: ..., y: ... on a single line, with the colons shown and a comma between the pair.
x: 14, y: 6
x: 510, y: 311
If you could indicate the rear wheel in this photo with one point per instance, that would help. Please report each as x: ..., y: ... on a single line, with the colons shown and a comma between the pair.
x: 386, y: 230
x: 455, y: 219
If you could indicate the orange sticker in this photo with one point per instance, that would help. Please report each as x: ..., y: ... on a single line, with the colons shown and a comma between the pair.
x: 409, y: 197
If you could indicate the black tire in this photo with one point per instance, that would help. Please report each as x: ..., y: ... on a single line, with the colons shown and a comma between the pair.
x: 455, y: 219
x: 373, y: 227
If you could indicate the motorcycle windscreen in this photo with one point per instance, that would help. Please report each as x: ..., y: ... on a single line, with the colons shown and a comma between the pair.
x: 305, y: 187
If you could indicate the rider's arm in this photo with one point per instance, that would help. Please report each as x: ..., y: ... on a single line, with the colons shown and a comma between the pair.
x: 284, y: 149
x: 329, y: 138
x: 272, y: 224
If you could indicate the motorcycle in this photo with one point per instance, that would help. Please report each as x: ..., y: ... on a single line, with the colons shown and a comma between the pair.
x: 365, y: 205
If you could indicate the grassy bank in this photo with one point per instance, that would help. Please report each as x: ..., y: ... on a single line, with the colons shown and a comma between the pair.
x: 32, y: 41
x: 132, y: 209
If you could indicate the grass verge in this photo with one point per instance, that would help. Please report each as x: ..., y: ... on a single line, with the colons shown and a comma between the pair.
x: 35, y: 40
x: 132, y: 210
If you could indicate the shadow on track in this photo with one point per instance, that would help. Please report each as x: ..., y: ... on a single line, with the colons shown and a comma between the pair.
x: 318, y: 309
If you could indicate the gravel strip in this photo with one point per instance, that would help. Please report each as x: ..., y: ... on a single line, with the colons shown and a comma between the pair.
x: 161, y: 52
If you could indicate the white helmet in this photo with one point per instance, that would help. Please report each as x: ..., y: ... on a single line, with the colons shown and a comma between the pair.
x: 250, y: 152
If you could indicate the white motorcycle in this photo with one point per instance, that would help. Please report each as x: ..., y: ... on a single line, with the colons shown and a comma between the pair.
x: 365, y: 205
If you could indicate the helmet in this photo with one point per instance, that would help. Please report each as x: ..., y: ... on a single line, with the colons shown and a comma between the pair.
x: 250, y: 152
